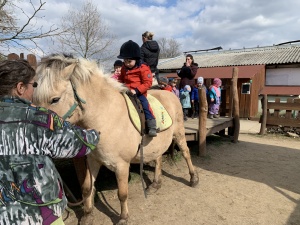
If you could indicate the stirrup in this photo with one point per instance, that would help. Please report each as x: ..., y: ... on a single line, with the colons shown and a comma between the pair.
x: 152, y: 133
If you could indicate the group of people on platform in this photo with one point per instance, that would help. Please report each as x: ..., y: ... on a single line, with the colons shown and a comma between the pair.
x: 134, y: 72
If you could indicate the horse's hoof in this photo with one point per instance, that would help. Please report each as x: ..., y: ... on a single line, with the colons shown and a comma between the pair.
x: 87, y: 219
x: 153, y: 187
x: 194, y: 180
x: 122, y: 222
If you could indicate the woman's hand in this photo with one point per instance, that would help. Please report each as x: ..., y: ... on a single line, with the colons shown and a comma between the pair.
x: 133, y: 91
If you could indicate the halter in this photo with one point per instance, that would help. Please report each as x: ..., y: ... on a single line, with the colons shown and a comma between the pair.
x: 78, y: 102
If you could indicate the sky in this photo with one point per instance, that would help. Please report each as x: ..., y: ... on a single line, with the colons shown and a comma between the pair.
x: 195, y: 24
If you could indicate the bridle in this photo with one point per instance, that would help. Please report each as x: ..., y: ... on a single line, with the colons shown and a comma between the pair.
x: 78, y: 102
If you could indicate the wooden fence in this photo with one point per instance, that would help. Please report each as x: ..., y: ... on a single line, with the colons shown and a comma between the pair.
x: 30, y: 58
x: 284, y: 114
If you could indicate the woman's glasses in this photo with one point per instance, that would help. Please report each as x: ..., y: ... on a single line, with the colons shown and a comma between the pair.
x: 34, y: 84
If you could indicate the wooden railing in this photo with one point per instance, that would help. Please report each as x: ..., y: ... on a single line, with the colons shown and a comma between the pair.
x: 284, y: 114
x: 234, y: 114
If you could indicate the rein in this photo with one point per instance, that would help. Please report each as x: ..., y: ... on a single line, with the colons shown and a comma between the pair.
x: 72, y: 204
x: 78, y: 102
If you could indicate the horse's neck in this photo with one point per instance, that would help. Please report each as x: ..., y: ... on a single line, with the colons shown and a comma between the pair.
x: 104, y: 102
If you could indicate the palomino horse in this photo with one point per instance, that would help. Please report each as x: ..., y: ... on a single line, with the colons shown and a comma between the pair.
x: 78, y: 90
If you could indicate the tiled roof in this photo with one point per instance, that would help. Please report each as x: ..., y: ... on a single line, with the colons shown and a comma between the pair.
x: 255, y: 56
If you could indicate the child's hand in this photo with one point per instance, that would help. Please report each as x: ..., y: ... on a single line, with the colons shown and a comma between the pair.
x: 133, y: 91
x: 212, y: 99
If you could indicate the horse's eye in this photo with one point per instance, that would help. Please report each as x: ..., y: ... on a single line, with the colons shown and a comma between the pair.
x: 55, y: 100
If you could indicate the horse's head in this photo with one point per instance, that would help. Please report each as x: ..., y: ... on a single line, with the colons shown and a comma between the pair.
x: 58, y: 83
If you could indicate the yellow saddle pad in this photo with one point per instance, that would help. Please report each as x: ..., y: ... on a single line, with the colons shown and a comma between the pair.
x: 163, y: 119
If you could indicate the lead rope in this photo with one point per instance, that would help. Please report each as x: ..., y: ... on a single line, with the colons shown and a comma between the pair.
x: 90, y: 191
x: 142, y: 165
x: 141, y: 146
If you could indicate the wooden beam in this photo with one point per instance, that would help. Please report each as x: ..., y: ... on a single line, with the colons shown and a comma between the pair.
x: 236, y: 107
x: 202, y: 121
x: 264, y: 115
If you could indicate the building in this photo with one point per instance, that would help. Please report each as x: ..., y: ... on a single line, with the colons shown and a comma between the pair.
x: 272, y: 70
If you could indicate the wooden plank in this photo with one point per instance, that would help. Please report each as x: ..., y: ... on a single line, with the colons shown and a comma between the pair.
x: 191, y: 136
x: 283, y: 121
x: 219, y: 127
x: 276, y: 111
x: 284, y: 106
x: 288, y: 112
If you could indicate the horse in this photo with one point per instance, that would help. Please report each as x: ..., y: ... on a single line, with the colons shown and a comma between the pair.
x: 79, y: 91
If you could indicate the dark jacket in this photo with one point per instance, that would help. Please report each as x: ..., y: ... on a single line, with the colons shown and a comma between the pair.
x: 149, y: 54
x: 187, y: 75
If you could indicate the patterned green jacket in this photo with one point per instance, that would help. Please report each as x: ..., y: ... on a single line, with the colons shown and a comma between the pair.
x: 31, y: 189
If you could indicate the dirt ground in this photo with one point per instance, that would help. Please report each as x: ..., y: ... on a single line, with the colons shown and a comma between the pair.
x: 255, y: 181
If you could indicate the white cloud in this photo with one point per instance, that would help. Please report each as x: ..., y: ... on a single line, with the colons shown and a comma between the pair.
x: 196, y: 24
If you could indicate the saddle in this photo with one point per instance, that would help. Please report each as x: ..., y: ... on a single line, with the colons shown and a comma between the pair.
x: 137, y: 116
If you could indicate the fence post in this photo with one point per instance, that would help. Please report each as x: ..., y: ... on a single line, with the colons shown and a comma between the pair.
x: 264, y: 115
x: 236, y: 107
x: 202, y: 121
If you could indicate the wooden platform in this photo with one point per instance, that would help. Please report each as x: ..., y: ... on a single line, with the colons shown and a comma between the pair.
x: 212, y: 126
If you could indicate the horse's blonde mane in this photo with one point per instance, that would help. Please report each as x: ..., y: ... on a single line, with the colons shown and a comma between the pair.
x: 49, y: 73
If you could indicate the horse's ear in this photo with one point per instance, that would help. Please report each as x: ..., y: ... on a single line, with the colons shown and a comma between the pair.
x: 67, y: 71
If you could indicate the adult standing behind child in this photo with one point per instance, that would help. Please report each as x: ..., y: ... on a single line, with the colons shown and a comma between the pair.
x: 150, y: 52
x: 31, y: 187
x: 188, y: 72
x: 214, y: 95
x: 117, y: 69
x: 195, y: 96
x: 185, y: 100
x: 137, y: 77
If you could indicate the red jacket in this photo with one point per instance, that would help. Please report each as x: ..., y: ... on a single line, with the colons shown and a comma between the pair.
x: 167, y: 88
x: 138, y: 77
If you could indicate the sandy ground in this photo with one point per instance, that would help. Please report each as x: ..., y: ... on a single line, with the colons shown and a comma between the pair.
x: 255, y: 181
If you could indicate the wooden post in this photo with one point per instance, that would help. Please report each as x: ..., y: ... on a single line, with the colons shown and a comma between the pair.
x: 202, y: 121
x: 236, y: 107
x: 264, y: 115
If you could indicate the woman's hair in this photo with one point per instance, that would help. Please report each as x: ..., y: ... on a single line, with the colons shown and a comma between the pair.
x: 12, y: 72
x: 148, y: 35
x: 190, y: 56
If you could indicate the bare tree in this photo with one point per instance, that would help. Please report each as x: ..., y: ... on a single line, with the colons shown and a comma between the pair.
x: 87, y: 34
x: 169, y: 48
x: 22, y: 36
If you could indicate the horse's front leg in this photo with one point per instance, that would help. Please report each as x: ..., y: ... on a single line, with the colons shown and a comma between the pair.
x: 88, y: 190
x: 122, y: 175
x: 156, y: 184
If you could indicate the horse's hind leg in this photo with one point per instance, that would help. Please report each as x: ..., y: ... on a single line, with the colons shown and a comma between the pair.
x: 156, y: 184
x: 181, y: 143
x: 122, y: 175
x: 88, y: 190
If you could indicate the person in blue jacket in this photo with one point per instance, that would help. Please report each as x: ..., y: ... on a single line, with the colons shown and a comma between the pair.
x: 185, y: 100
x: 195, y: 96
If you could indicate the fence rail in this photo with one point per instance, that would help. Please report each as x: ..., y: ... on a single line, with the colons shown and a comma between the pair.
x: 285, y: 114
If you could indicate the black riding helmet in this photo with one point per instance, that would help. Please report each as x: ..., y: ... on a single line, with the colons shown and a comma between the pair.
x: 130, y: 50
